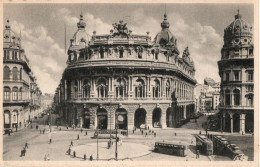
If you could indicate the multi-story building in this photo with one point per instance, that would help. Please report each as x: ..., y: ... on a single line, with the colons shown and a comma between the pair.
x: 207, y: 96
x: 22, y: 96
x: 236, y: 69
x: 126, y: 78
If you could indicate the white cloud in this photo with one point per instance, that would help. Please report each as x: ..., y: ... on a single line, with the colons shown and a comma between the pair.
x: 47, y: 58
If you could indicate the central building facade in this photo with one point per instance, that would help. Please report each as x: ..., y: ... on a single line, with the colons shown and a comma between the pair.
x: 126, y: 80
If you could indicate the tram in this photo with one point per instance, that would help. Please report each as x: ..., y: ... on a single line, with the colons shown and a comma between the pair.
x: 170, y: 148
x: 222, y: 146
x: 204, y: 145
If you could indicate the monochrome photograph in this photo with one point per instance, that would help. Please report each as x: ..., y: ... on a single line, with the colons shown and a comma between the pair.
x: 107, y: 82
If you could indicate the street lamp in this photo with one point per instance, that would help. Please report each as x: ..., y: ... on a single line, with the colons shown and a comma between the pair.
x: 116, y: 153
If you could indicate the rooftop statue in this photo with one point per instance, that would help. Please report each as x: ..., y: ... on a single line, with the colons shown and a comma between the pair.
x: 120, y: 28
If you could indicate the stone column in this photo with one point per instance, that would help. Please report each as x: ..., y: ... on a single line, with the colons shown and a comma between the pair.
x: 149, y: 117
x: 231, y: 123
x: 163, y: 119
x: 242, y: 123
x: 184, y: 112
x: 163, y: 88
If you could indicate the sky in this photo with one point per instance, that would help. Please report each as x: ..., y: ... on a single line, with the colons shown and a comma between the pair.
x: 198, y: 26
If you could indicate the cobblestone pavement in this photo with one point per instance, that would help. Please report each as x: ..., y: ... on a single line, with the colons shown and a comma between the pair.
x: 39, y: 145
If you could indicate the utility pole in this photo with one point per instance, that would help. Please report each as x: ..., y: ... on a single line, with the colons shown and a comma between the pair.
x: 116, y: 154
x: 97, y: 145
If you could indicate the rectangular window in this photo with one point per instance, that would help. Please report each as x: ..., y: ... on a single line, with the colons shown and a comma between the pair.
x: 6, y: 95
x: 250, y: 76
x: 4, y: 54
x: 250, y: 88
x: 227, y: 76
x: 236, y: 76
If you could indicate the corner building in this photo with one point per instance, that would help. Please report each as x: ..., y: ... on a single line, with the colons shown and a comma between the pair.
x: 236, y: 69
x: 21, y: 94
x: 126, y: 79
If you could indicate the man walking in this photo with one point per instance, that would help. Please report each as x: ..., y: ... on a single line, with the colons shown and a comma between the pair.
x: 78, y: 137
x: 26, y: 145
x: 71, y: 143
x: 197, y: 154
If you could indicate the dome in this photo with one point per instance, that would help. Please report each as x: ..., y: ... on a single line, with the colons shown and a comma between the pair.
x: 81, y: 37
x: 10, y: 36
x: 165, y: 37
x: 238, y: 27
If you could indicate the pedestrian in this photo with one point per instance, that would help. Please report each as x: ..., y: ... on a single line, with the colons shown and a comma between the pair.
x: 85, y: 156
x: 31, y: 126
x: 74, y: 154
x: 175, y: 134
x: 71, y: 143
x: 60, y: 128
x: 200, y: 132
x: 86, y: 133
x: 133, y: 131
x: 152, y: 131
x: 43, y: 131
x: 24, y: 151
x: 16, y: 128
x: 154, y: 134
x: 206, y: 131
x: 21, y: 152
x: 208, y: 135
x: 197, y: 154
x: 142, y: 132
x: 78, y: 137
x: 36, y: 127
x: 26, y: 145
x: 9, y: 133
x: 67, y: 127
x: 45, y: 157
x: 50, y: 141
x: 81, y: 130
x: 91, y: 158
x: 69, y: 151
x: 145, y: 134
x: 135, y: 128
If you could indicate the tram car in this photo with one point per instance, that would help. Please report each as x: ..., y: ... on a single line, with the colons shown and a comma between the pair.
x: 171, y: 148
x: 204, y: 145
x: 223, y: 147
x: 219, y: 145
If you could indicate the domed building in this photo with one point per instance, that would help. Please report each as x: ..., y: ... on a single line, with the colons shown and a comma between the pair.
x: 236, y: 69
x: 125, y: 79
x: 22, y: 96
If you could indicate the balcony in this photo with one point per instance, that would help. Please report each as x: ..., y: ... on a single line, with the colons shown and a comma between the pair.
x: 16, y: 81
x: 236, y: 107
x: 17, y: 101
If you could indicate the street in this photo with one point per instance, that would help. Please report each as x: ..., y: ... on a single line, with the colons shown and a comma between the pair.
x: 39, y: 144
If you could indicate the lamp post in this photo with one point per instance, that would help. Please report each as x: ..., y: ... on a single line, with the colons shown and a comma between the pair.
x: 116, y: 153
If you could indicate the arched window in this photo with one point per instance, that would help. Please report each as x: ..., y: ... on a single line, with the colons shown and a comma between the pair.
x: 101, y: 53
x: 6, y: 73
x: 21, y: 73
x: 250, y: 99
x: 168, y: 92
x: 227, y: 97
x: 236, y: 93
x: 7, y: 92
x: 15, y: 117
x: 139, y: 88
x: 102, y: 88
x: 15, y: 93
x: 120, y: 86
x: 156, y: 89
x: 86, y: 88
x: 15, y: 73
x: 121, y: 53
